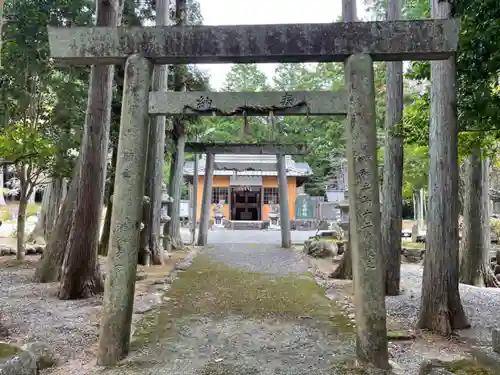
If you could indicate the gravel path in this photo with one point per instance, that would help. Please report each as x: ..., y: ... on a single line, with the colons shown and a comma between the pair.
x: 259, y: 258
x: 229, y: 343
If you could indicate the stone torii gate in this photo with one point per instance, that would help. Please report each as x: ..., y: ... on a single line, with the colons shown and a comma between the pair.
x: 291, y: 103
x: 357, y: 44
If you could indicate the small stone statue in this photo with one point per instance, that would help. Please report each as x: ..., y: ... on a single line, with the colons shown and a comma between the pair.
x: 219, y: 213
x: 274, y: 215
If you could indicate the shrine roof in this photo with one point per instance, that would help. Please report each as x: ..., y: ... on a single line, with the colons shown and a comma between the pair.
x: 249, y: 165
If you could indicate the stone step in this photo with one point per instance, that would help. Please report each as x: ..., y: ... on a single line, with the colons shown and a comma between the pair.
x: 245, y: 225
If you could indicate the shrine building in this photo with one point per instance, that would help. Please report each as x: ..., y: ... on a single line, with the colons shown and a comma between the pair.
x: 248, y: 184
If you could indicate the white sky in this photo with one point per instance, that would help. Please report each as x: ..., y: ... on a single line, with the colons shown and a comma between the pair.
x: 240, y: 12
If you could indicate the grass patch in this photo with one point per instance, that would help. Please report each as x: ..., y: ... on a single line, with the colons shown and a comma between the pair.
x: 468, y: 367
x: 413, y: 245
x: 214, y: 290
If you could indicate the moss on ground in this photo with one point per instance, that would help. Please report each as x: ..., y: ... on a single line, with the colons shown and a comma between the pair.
x: 215, y: 290
x: 468, y: 367
x: 395, y: 335
x: 8, y: 350
x: 413, y: 245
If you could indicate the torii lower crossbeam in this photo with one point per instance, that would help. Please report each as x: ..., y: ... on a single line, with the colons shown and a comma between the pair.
x: 290, y: 103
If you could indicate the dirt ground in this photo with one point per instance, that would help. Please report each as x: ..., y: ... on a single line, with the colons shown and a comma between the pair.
x: 32, y: 312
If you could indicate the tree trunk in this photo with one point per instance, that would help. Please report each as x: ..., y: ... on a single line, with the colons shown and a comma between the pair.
x: 3, y: 103
x: 176, y: 174
x: 472, y: 242
x: 2, y: 182
x: 21, y: 224
x: 151, y: 234
x: 392, y: 201
x: 344, y: 270
x: 144, y: 254
x: 106, y: 227
x: 80, y: 276
x: 441, y: 309
x: 476, y: 236
x: 194, y: 199
x: 59, y: 188
x: 25, y: 192
x: 31, y: 198
x: 206, y: 200
x: 51, y: 203
x: 41, y: 223
x: 167, y: 241
x: 489, y: 277
x: 177, y: 182
x: 49, y: 269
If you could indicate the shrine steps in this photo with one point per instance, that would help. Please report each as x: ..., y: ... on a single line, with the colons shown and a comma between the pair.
x: 246, y: 225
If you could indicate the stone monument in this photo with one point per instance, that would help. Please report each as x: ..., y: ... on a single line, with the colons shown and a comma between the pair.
x: 304, y: 207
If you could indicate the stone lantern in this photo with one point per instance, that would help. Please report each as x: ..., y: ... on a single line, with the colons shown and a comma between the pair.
x: 343, y: 223
x: 165, y: 200
x: 343, y: 206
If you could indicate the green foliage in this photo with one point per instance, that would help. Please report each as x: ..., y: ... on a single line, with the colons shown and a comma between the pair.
x: 245, y: 77
x: 478, y: 92
x: 478, y: 64
x: 45, y: 104
x: 412, y: 9
x: 495, y: 227
x: 416, y: 120
x: 415, y: 173
x: 26, y: 144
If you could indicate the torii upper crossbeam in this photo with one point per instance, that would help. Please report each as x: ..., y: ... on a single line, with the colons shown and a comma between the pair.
x: 321, y: 42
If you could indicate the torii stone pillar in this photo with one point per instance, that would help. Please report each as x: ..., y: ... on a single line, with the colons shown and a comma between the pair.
x: 126, y: 215
x: 364, y: 202
x: 206, y: 200
x: 286, y: 239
